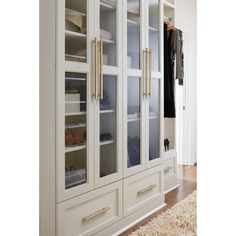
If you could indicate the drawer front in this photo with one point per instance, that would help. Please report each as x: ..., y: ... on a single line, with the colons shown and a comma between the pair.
x: 142, y: 188
x: 169, y: 167
x: 90, y: 212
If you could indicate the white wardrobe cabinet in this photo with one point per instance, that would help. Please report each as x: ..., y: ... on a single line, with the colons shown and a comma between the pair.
x: 106, y: 163
x: 89, y: 102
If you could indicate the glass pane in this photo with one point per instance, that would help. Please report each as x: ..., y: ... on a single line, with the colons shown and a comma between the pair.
x: 154, y: 121
x: 108, y: 156
x: 154, y: 33
x: 133, y: 34
x: 133, y: 111
x: 76, y: 30
x: 108, y: 31
x: 75, y: 129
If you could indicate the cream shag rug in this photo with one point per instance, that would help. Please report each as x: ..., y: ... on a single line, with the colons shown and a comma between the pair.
x: 180, y: 220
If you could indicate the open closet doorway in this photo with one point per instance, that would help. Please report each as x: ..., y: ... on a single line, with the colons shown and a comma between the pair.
x: 186, y: 107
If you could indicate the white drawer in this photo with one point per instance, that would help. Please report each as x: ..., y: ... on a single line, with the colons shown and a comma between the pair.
x: 90, y: 212
x: 169, y: 167
x: 142, y: 188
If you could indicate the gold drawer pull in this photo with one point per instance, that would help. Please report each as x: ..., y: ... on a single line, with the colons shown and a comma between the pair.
x: 95, y: 214
x: 146, y: 189
x: 167, y: 169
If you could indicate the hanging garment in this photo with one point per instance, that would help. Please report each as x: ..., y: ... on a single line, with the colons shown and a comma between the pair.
x: 169, y: 65
x: 179, y: 57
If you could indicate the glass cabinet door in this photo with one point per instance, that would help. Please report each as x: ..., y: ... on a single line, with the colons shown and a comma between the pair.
x: 133, y: 122
x: 154, y: 34
x: 76, y: 30
x: 108, y: 31
x: 154, y: 120
x: 108, y: 162
x: 133, y: 34
x: 75, y: 130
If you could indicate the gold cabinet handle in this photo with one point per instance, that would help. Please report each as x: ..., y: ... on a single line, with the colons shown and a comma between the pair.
x: 101, y: 72
x: 95, y: 42
x: 146, y: 189
x: 150, y: 72
x: 95, y: 214
x: 167, y: 169
x: 144, y: 73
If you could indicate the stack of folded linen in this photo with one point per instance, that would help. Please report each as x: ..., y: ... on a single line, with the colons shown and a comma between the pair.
x: 133, y: 111
x: 104, y: 34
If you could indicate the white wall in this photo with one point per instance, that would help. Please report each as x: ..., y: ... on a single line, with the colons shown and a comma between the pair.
x: 186, y: 20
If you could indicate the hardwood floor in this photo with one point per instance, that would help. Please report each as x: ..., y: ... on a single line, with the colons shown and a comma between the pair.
x: 188, y: 182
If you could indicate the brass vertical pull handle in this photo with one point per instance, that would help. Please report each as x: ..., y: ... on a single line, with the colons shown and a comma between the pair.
x: 95, y: 42
x: 144, y: 73
x: 150, y: 72
x: 101, y: 72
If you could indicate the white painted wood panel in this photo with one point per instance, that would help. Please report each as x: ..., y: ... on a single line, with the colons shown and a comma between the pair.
x: 91, y: 212
x: 142, y: 188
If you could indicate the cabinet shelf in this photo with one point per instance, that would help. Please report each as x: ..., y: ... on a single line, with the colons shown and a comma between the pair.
x: 74, y: 12
x: 74, y: 149
x: 71, y: 78
x: 106, y: 142
x: 75, y: 183
x: 72, y: 34
x: 168, y: 4
x: 76, y: 113
x: 75, y: 56
x: 75, y: 102
x: 133, y: 119
x: 153, y: 29
x: 153, y: 117
x: 106, y: 111
x: 108, y: 41
x: 105, y: 7
x: 132, y: 23
x: 137, y: 119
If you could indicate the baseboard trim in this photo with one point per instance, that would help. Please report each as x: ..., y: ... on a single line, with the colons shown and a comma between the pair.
x: 138, y: 220
x: 172, y: 188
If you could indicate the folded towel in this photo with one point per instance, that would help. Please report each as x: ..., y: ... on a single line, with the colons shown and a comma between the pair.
x: 105, y: 34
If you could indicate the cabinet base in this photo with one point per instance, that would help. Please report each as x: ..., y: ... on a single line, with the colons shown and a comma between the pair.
x: 170, y: 185
x: 129, y: 221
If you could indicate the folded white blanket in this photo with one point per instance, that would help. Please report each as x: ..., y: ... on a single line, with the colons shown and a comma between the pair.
x: 105, y: 34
